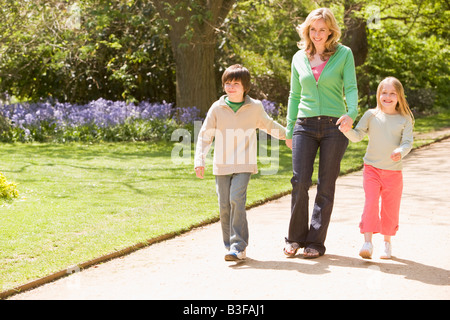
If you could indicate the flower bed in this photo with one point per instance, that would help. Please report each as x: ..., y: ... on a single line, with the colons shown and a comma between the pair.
x: 99, y: 120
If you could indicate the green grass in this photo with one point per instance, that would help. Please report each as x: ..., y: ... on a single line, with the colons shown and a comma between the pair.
x: 81, y: 201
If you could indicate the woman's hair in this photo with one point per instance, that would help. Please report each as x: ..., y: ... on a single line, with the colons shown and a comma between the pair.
x: 402, y: 105
x: 237, y: 72
x: 332, y: 42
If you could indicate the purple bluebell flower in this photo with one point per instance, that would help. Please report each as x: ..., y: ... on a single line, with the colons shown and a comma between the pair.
x: 270, y: 108
x: 187, y: 116
x: 98, y: 117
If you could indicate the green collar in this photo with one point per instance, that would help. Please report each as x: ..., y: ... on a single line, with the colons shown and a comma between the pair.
x: 234, y: 105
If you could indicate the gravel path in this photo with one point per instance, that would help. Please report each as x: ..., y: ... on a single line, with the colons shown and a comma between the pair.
x: 192, y: 266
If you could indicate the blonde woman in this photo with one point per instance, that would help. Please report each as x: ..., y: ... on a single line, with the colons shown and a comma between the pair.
x: 390, y: 130
x: 323, y: 97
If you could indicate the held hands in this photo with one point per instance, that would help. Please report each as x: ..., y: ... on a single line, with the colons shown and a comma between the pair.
x: 345, y: 123
x: 396, y: 156
x: 289, y: 143
x: 200, y: 172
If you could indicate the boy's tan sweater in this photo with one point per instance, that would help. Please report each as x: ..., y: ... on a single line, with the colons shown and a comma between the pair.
x: 235, y: 146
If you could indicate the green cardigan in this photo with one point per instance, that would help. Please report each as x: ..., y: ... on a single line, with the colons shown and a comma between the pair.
x: 308, y: 98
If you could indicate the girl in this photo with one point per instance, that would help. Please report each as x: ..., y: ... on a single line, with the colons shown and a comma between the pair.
x: 390, y: 130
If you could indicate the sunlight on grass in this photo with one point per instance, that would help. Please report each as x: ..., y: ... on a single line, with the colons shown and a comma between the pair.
x: 80, y: 201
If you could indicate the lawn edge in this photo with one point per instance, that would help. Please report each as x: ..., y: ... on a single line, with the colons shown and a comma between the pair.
x: 434, y: 137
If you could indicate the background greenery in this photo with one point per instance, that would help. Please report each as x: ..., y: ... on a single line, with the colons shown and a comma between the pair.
x: 78, y: 201
x: 120, y: 50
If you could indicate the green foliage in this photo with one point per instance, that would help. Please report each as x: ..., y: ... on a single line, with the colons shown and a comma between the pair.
x: 131, y: 130
x: 120, y: 50
x: 410, y: 42
x: 8, y: 190
x: 261, y: 35
x: 117, y: 50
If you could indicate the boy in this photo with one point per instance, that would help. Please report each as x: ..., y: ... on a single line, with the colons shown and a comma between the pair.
x: 232, y: 121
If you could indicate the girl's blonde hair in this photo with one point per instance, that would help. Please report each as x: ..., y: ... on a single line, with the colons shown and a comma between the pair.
x: 402, y: 105
x: 332, y: 42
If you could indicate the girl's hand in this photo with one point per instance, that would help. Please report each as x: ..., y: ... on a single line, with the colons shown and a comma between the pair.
x: 396, y: 156
x: 289, y: 143
x: 345, y: 123
x: 200, y: 172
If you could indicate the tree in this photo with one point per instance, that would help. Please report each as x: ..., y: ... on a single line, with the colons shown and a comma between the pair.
x: 193, y: 26
x: 261, y: 35
x: 410, y: 42
x: 78, y: 51
x: 136, y: 50
x: 354, y: 32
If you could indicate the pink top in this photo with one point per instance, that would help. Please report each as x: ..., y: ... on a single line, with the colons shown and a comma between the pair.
x: 318, y: 70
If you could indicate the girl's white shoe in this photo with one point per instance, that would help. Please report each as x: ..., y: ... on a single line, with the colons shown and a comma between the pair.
x: 387, y: 251
x: 366, y: 250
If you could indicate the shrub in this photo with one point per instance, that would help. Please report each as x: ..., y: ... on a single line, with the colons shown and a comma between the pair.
x: 5, y: 128
x: 100, y: 120
x: 8, y: 190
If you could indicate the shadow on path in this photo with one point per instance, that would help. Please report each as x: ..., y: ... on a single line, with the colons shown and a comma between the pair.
x: 409, y: 269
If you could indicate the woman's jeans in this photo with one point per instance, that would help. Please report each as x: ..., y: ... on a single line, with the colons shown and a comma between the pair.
x: 310, y: 135
x: 232, y: 193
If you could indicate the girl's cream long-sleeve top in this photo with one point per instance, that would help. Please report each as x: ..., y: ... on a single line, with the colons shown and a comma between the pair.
x: 387, y: 134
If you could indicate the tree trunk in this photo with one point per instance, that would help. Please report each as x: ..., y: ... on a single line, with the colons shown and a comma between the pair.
x: 4, y: 124
x: 195, y: 76
x: 192, y: 32
x: 355, y: 35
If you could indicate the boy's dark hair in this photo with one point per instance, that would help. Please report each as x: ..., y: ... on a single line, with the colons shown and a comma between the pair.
x: 237, y: 72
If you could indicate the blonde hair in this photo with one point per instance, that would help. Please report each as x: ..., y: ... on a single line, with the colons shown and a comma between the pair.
x: 332, y: 41
x: 402, y: 105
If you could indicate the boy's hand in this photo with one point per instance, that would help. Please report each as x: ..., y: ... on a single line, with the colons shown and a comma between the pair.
x: 200, y: 172
x: 289, y: 143
x: 396, y: 156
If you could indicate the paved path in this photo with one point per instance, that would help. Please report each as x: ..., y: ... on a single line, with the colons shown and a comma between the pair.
x: 191, y: 266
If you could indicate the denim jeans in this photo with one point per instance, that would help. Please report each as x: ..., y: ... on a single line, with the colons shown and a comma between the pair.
x: 232, y: 193
x: 310, y: 135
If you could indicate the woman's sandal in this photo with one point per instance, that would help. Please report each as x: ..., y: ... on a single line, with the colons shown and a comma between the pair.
x: 310, y: 253
x: 291, y: 249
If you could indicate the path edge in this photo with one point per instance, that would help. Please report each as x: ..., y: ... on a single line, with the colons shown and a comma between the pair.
x: 440, y: 136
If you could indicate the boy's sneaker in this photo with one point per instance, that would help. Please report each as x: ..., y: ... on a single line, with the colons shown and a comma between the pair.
x: 387, y: 252
x: 235, y: 256
x: 366, y: 250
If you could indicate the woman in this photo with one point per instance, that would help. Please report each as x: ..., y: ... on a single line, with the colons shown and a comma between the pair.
x: 323, y: 71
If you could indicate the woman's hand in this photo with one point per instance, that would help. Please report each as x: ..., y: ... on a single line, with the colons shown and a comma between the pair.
x: 345, y: 123
x: 396, y: 156
x: 289, y: 143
